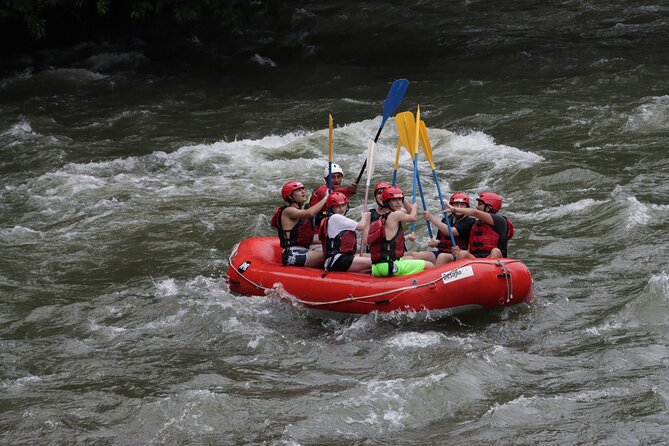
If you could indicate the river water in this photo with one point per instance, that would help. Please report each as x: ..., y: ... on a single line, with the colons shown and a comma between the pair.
x: 125, y: 184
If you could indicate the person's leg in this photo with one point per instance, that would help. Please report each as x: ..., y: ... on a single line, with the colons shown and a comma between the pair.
x: 496, y: 253
x: 443, y: 258
x: 360, y: 264
x: 411, y: 266
x: 464, y: 254
x: 428, y: 256
x: 314, y: 259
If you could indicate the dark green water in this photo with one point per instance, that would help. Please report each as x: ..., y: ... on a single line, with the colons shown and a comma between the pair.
x: 123, y: 190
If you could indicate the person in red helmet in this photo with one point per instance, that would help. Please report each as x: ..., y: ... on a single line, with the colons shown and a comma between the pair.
x: 321, y: 191
x: 338, y: 236
x: 295, y: 226
x: 386, y: 238
x: 380, y: 208
x: 490, y: 233
x: 461, y: 226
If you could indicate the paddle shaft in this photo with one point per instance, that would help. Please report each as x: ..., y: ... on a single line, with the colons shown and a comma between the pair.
x: 422, y: 198
x: 443, y: 207
x: 330, y: 155
x: 376, y: 138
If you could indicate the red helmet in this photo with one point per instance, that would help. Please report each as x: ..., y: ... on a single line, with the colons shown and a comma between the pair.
x: 290, y: 187
x: 381, y: 185
x: 336, y: 199
x: 491, y: 199
x: 392, y: 192
x: 459, y: 197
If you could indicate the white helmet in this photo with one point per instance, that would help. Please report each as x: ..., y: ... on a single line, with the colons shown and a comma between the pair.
x: 336, y: 168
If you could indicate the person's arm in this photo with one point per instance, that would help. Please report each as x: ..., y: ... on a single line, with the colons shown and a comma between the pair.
x: 348, y: 191
x: 483, y: 216
x: 317, y: 195
x: 443, y: 228
x: 407, y: 206
x: 296, y: 214
x: 403, y: 217
x: 364, y: 221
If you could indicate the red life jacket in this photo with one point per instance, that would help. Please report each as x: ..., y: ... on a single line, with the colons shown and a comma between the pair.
x: 302, y: 233
x: 483, y: 237
x: 445, y: 244
x: 383, y: 250
x: 320, y: 191
x: 344, y: 243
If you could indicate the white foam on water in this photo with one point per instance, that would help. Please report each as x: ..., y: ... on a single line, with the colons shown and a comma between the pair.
x: 172, y: 320
x: 603, y: 328
x: 557, y: 212
x: 651, y: 116
x: 17, y: 77
x: 356, y: 101
x: 166, y: 288
x: 476, y: 146
x: 74, y: 75
x: 6, y: 234
x: 263, y: 61
x: 19, y: 129
x: 637, y: 213
x: 660, y: 283
x: 415, y: 340
x: 109, y: 331
x: 19, y: 384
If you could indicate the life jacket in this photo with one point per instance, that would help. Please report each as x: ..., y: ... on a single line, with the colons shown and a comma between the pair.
x: 483, y: 237
x: 302, y: 234
x: 383, y: 250
x: 343, y: 243
x: 320, y: 192
x: 375, y: 215
x: 445, y: 245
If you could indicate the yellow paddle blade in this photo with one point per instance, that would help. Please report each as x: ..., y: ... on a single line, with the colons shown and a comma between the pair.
x: 425, y: 143
x: 397, y: 154
x: 406, y: 126
x: 330, y: 139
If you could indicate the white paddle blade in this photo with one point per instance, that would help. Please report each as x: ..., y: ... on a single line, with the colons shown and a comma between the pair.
x: 371, y: 160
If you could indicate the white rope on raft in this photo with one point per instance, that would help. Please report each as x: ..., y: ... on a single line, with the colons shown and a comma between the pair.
x: 400, y: 291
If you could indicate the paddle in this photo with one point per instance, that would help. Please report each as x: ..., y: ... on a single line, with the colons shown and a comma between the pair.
x: 427, y: 149
x: 397, y: 161
x: 409, y: 136
x: 330, y: 157
x: 371, y: 160
x: 392, y: 101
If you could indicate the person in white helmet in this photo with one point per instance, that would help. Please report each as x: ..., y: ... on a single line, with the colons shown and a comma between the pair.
x: 320, y: 192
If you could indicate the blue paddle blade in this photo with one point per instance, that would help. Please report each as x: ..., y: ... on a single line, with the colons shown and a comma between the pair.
x: 394, y: 98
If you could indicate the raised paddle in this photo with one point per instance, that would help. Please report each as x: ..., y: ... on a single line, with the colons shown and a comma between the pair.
x: 427, y: 149
x: 371, y: 160
x: 397, y: 161
x: 409, y: 137
x: 393, y: 100
x: 330, y: 156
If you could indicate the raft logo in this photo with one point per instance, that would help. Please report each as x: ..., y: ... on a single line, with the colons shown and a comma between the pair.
x: 244, y: 266
x: 457, y: 274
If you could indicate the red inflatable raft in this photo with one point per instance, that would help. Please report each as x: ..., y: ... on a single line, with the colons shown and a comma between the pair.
x: 255, y: 269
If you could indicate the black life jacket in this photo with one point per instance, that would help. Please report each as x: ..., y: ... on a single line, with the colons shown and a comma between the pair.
x: 302, y: 234
x: 445, y: 245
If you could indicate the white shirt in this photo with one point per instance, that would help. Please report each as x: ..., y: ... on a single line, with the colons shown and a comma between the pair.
x: 336, y: 224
